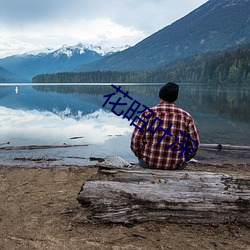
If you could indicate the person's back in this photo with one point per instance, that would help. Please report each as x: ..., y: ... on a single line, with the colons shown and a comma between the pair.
x: 165, y: 136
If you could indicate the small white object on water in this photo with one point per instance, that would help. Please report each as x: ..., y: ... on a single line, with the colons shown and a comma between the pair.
x: 16, y: 90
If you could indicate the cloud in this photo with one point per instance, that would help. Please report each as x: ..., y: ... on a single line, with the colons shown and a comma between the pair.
x: 142, y: 14
x: 22, y: 12
x: 30, y: 24
x: 38, y: 36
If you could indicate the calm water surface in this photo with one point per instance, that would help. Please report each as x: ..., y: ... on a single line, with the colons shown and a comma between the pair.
x: 73, y: 114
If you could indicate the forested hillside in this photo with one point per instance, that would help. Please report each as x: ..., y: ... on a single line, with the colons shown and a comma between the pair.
x: 214, y: 26
x: 229, y: 66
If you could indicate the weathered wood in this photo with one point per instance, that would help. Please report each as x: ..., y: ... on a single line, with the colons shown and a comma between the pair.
x: 119, y: 195
x: 29, y: 147
x: 39, y: 159
x: 114, y: 161
x: 224, y: 147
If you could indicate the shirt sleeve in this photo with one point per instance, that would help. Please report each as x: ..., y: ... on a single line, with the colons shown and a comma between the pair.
x: 193, y: 140
x: 137, y: 138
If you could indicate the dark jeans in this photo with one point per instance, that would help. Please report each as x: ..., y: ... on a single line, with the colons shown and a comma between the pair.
x: 145, y: 165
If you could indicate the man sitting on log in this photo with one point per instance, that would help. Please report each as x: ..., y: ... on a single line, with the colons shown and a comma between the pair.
x: 165, y: 136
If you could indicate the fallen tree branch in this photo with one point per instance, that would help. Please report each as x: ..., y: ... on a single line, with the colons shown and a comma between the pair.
x: 29, y: 147
x: 41, y: 159
x: 224, y: 147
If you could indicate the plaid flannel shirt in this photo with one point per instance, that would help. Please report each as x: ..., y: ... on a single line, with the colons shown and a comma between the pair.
x: 145, y: 143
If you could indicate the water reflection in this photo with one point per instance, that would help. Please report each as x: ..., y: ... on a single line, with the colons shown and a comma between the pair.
x: 29, y: 127
x: 224, y: 101
x: 52, y: 114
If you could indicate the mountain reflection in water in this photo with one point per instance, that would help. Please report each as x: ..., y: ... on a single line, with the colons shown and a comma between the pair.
x: 54, y: 114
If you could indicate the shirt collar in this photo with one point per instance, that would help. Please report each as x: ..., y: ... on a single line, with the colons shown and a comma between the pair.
x: 164, y: 103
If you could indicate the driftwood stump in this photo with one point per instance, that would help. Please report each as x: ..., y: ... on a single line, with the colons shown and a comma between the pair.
x: 119, y: 195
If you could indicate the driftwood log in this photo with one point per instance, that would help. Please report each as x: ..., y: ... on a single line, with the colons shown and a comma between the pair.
x: 30, y: 147
x: 224, y: 147
x: 135, y: 195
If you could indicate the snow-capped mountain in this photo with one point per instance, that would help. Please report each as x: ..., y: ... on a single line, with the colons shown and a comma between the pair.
x: 81, y: 48
x: 64, y: 59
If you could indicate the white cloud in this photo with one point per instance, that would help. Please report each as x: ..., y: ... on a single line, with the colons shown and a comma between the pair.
x: 33, y: 24
x: 38, y: 36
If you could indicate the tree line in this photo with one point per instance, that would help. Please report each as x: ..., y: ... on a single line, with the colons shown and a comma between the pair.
x: 231, y: 66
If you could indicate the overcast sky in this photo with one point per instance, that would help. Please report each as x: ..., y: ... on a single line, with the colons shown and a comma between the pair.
x: 27, y: 25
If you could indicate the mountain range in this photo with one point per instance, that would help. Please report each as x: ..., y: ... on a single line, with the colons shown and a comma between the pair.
x: 64, y: 59
x: 214, y: 26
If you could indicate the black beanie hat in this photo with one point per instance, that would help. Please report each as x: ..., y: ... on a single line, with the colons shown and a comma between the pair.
x: 169, y: 92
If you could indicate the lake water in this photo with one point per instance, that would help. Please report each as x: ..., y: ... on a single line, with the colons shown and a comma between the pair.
x: 56, y: 114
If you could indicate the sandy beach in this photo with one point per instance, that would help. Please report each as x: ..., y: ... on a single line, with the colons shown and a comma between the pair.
x: 39, y: 210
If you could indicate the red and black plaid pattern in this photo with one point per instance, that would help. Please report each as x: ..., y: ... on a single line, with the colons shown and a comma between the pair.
x: 167, y: 139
